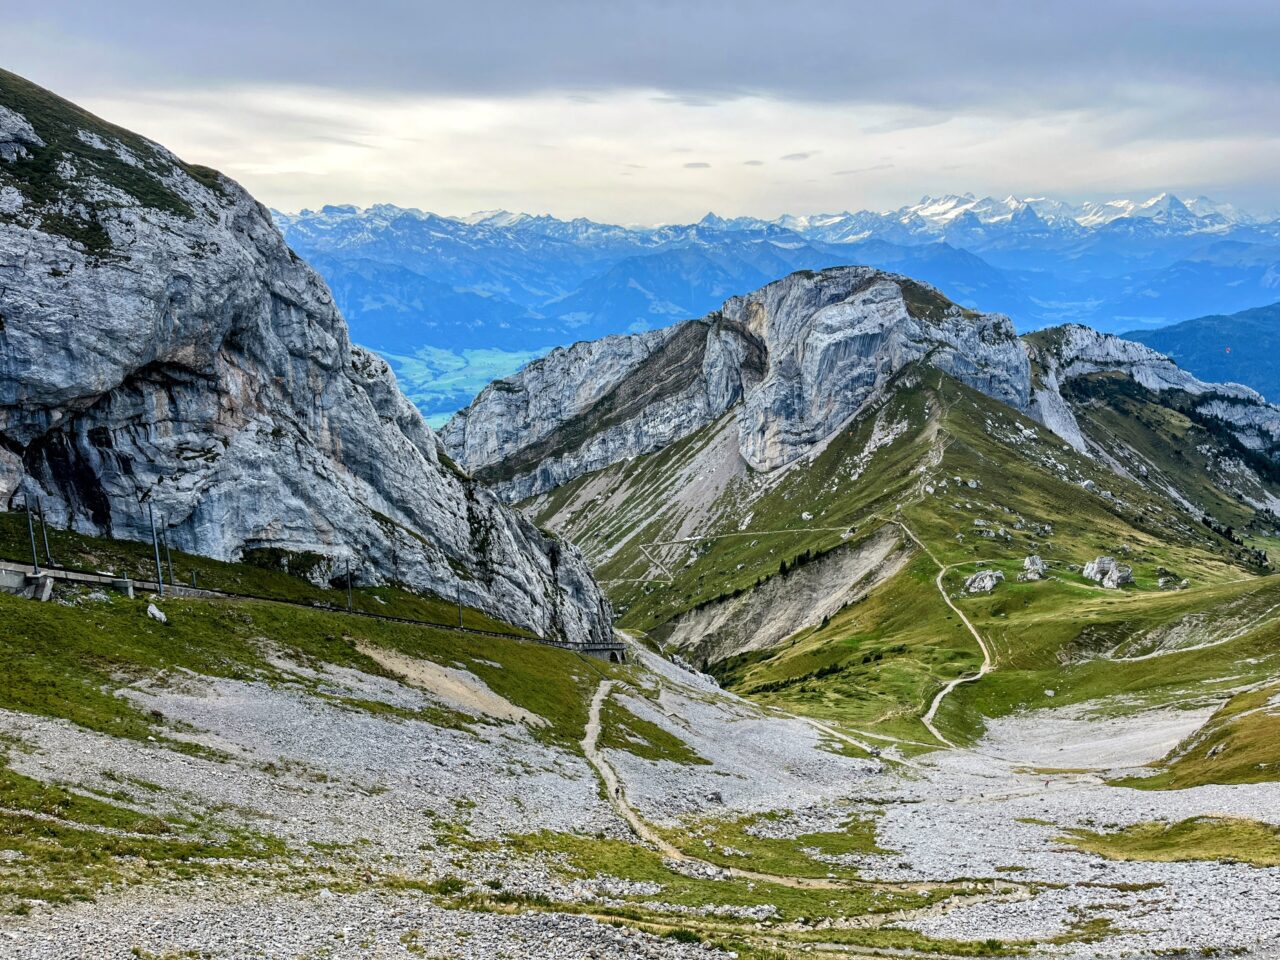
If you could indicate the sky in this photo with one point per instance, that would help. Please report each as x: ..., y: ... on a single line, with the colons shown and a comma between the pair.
x: 652, y: 111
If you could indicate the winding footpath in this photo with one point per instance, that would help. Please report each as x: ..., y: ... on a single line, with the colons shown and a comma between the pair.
x: 983, y: 670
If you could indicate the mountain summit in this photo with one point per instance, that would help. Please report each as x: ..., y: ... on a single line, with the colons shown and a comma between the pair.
x: 166, y: 351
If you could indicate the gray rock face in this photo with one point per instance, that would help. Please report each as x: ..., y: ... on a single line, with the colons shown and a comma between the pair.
x: 1033, y: 568
x: 1108, y: 573
x: 593, y: 404
x: 168, y: 349
x: 834, y: 339
x: 1065, y: 353
x: 16, y: 136
x: 984, y: 581
x: 802, y: 355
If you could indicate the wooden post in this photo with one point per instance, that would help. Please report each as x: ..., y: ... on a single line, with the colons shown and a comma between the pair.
x: 31, y: 529
x: 44, y: 530
x: 164, y: 535
x: 155, y: 545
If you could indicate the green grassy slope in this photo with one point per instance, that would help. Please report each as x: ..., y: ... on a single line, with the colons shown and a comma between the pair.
x: 981, y: 486
x: 265, y: 574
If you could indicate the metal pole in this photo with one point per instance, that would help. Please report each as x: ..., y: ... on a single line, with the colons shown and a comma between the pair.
x: 155, y: 545
x: 44, y: 529
x: 35, y: 557
x: 348, y: 585
x: 164, y: 535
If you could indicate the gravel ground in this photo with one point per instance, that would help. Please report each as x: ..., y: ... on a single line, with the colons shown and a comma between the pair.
x: 351, y: 926
x: 741, y: 741
x: 968, y: 814
x: 388, y: 791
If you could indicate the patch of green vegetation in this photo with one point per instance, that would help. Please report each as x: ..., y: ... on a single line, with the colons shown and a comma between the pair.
x: 69, y: 659
x: 64, y: 207
x: 739, y: 843
x: 927, y: 303
x: 68, y: 847
x: 1200, y: 838
x: 620, y: 729
x: 265, y: 573
x: 1240, y: 743
x: 592, y: 857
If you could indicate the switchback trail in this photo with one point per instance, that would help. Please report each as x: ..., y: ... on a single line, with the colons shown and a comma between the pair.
x: 983, y: 670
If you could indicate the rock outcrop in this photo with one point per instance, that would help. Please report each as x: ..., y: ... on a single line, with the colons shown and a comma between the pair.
x: 163, y: 348
x: 984, y: 581
x: 595, y: 403
x: 802, y: 355
x: 1062, y: 354
x: 1107, y: 572
x: 1033, y: 568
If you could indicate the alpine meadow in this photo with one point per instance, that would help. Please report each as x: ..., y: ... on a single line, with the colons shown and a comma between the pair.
x: 618, y: 579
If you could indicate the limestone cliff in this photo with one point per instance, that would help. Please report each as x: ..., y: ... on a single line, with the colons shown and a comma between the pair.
x: 802, y: 355
x: 161, y: 346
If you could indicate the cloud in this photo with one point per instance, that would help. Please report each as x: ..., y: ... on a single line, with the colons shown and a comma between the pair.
x: 798, y: 156
x: 538, y: 106
x: 869, y: 169
x: 697, y: 166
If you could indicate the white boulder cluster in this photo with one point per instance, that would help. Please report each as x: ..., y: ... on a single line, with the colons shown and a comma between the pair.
x: 1108, y: 573
x: 1033, y: 568
x: 984, y: 581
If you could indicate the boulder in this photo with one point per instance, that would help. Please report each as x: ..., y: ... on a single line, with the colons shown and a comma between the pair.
x: 155, y: 613
x: 1033, y: 568
x: 1108, y: 573
x: 984, y: 581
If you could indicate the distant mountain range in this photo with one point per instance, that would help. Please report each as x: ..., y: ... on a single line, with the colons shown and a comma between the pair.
x: 1240, y: 348
x: 453, y: 302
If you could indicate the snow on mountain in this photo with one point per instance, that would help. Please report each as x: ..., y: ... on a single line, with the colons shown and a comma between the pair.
x: 512, y: 284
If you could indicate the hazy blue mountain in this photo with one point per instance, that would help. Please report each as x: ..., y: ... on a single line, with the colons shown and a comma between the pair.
x: 454, y: 301
x: 1241, y: 348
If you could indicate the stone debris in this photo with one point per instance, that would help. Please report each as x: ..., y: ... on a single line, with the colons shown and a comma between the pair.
x: 155, y: 613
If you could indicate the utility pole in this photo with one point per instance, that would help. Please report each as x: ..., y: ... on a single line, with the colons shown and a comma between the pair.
x: 31, y: 529
x: 44, y: 529
x: 164, y: 535
x: 348, y: 584
x: 155, y: 545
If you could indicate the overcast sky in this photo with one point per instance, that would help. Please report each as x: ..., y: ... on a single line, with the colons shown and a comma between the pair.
x: 659, y: 111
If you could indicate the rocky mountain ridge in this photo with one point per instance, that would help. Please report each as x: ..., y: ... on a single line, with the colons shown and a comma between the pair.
x: 820, y: 347
x: 453, y: 302
x: 164, y: 350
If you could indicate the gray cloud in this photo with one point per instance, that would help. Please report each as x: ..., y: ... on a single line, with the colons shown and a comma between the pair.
x: 798, y: 156
x: 1009, y: 54
x: 1081, y: 98
x: 697, y: 166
